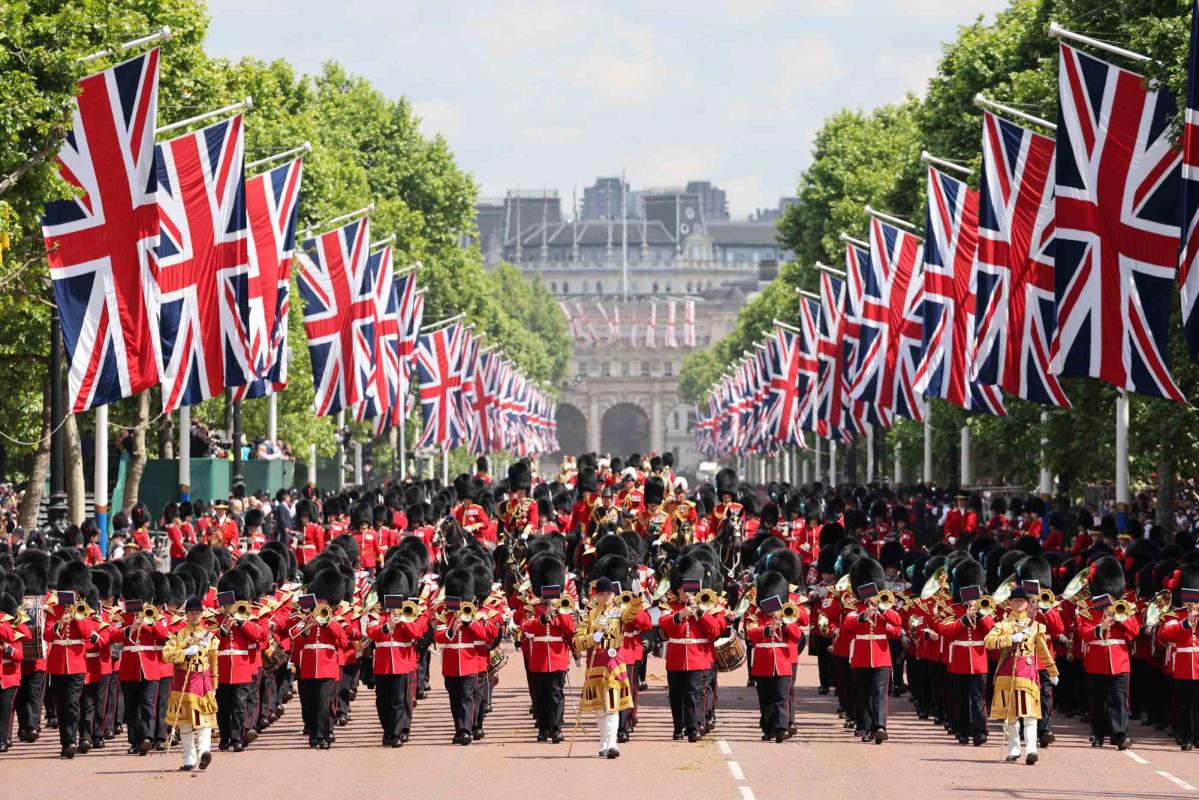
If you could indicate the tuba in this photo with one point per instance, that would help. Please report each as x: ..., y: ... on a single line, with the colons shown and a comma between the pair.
x: 1004, y: 592
x: 1158, y: 606
x: 1078, y: 592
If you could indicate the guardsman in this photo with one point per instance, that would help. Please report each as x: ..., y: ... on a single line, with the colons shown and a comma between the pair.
x: 68, y: 634
x: 654, y: 522
x: 464, y: 635
x: 192, y: 653
x: 869, y: 628
x: 317, y: 640
x: 691, y: 632
x: 774, y: 626
x: 520, y: 515
x: 225, y: 527
x: 630, y: 498
x: 141, y: 667
x: 404, y: 622
x: 235, y: 665
x: 310, y: 536
x: 587, y: 493
x: 1106, y: 654
x: 366, y: 536
x: 255, y: 536
x: 964, y: 632
x: 961, y: 520
x: 470, y: 515
x: 11, y: 653
x: 547, y: 631
x: 726, y: 497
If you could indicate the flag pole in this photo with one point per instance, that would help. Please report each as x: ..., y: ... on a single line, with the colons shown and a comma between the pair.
x: 185, y: 455
x: 442, y: 323
x: 1122, y: 409
x: 359, y: 213
x: 903, y: 223
x: 163, y: 34
x: 1045, y: 486
x: 927, y: 469
x: 100, y: 476
x: 967, y: 478
x: 383, y: 242
x: 244, y: 105
x: 1061, y: 33
x: 991, y: 105
x: 929, y: 158
x: 295, y: 151
x: 869, y: 453
x: 832, y: 270
x: 845, y: 237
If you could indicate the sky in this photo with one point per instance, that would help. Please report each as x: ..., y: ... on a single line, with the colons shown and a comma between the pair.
x: 549, y: 94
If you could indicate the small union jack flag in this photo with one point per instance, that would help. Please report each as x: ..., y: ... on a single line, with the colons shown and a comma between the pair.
x: 1117, y: 241
x: 338, y: 310
x: 98, y: 244
x: 201, y: 266
x: 437, y: 356
x: 380, y: 375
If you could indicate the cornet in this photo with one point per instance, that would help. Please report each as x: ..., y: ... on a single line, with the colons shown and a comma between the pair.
x: 985, y: 606
x: 1120, y: 610
x: 241, y: 611
x: 1046, y: 600
x: 885, y: 600
x: 409, y: 611
x: 150, y: 615
x: 323, y: 614
x: 81, y: 611
x: 705, y: 599
x: 565, y: 605
x: 467, y: 613
x: 788, y: 614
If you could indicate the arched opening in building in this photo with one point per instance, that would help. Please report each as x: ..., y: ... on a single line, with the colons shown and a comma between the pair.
x: 624, y: 429
x: 572, y: 429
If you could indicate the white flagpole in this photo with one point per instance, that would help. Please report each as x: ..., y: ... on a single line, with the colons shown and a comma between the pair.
x: 185, y: 454
x: 341, y: 453
x: 295, y: 151
x: 1122, y: 410
x: 967, y: 478
x: 312, y: 464
x: 927, y: 470
x: 1045, y: 485
x: 163, y: 34
x: 991, y: 105
x: 100, y: 475
x: 898, y: 464
x: 869, y: 453
x: 272, y: 418
x: 244, y: 105
x: 832, y: 462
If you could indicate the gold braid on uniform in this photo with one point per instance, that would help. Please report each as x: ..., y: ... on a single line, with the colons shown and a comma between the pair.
x: 1017, y: 693
x: 187, y: 704
x: 606, y: 687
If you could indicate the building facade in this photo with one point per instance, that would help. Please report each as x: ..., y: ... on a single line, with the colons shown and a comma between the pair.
x: 617, y: 279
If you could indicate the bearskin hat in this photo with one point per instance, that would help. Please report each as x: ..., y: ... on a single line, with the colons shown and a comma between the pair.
x: 587, y: 480
x: 866, y: 570
x: 1035, y: 568
x: 1107, y: 577
x: 546, y: 570
x: 12, y: 584
x: 262, y: 574
x: 102, y: 580
x: 878, y: 509
x: 772, y: 584
x: 1030, y: 545
x: 979, y: 547
x: 636, y: 546
x: 1139, y: 553
x: 177, y: 593
x: 1016, y: 506
x: 139, y: 516
x: 326, y: 584
x: 113, y: 571
x: 74, y: 576
x: 831, y: 534
x: 726, y: 482
x: 687, y: 568
x: 520, y: 476
x: 769, y: 516
x: 202, y: 555
x: 998, y: 505
x: 891, y: 554
x: 784, y: 562
x: 137, y: 585
x: 463, y: 488
x: 459, y: 583
x: 362, y: 516
x: 826, y: 561
x: 913, y: 573
x: 349, y: 544
x: 968, y: 573
x: 9, y: 605
x: 305, y: 509
x: 1008, y: 564
x: 611, y: 544
x: 393, y: 581
x: 855, y: 520
x: 1036, y: 506
x: 162, y: 588
x: 846, y: 555
x: 35, y: 572
x: 655, y: 490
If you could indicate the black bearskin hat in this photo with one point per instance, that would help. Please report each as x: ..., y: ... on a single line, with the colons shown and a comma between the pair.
x: 177, y: 593
x: 238, y: 581
x: 866, y: 570
x: 459, y: 583
x: 253, y: 518
x: 327, y: 585
x: 784, y: 562
x: 1029, y: 545
x: 615, y: 568
x: 655, y: 490
x: 139, y: 516
x: 546, y: 570
x: 686, y: 568
x: 1107, y: 577
x: 826, y: 562
x: 520, y: 476
x: 305, y: 509
x: 463, y: 488
x: 769, y: 516
x: 1188, y: 578
x: 726, y: 482
x: 349, y: 544
x: 998, y: 505
x: 75, y: 576
x: 891, y: 554
x: 846, y: 555
x: 363, y: 515
x: 611, y: 544
x: 102, y: 580
x: 137, y: 586
x: 831, y: 534
x: 772, y: 584
x: 878, y: 509
x: 967, y: 573
x: 1035, y: 568
x: 393, y: 581
x: 1008, y: 564
x: 587, y: 480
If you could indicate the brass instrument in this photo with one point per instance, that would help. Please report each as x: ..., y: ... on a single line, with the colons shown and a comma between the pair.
x: 937, y: 583
x: 661, y: 590
x: 626, y: 597
x: 986, y: 605
x: 706, y: 599
x: 1078, y: 592
x: 565, y: 605
x: 467, y: 613
x: 1047, y: 600
x: 1004, y: 592
x: 81, y: 611
x: 241, y: 611
x: 150, y: 615
x: 410, y: 611
x: 1120, y: 610
x: 885, y: 600
x: 323, y: 614
x: 788, y: 614
x: 1158, y: 606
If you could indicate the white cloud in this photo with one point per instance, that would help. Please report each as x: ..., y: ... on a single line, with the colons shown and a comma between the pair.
x: 805, y: 64
x: 673, y: 164
x: 438, y: 116
x: 906, y: 72
x: 932, y: 11
x: 555, y: 135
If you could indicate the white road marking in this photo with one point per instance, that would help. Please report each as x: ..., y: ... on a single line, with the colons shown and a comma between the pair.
x: 1135, y: 757
x: 724, y: 747
x: 735, y: 768
x: 1181, y: 783
x: 747, y: 793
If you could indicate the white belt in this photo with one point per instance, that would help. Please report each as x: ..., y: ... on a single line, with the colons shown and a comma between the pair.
x: 769, y: 645
x: 319, y: 647
x: 871, y: 637
x: 67, y: 642
x: 1187, y: 650
x: 141, y: 648
x: 687, y: 641
x: 1107, y: 642
x: 393, y: 644
x: 632, y: 636
x: 461, y: 645
x: 233, y: 652
x: 91, y: 655
x: 967, y: 644
x: 547, y: 638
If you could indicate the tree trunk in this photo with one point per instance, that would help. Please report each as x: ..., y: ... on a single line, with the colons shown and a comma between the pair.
x: 166, y: 437
x: 32, y: 500
x: 1167, y: 482
x: 76, y: 489
x: 137, y: 465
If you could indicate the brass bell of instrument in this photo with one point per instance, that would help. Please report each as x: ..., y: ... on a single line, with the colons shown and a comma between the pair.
x: 323, y: 614
x: 1120, y: 610
x: 81, y: 611
x: 886, y: 600
x: 467, y: 613
x: 986, y: 605
x: 241, y: 610
x: 789, y: 613
x: 705, y: 599
x: 151, y: 615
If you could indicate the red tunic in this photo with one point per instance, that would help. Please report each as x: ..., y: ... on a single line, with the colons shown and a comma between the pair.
x: 690, y: 642
x: 395, y: 645
x: 548, y: 646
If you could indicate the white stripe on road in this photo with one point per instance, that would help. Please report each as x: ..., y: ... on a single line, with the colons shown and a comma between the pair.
x: 724, y: 747
x: 1135, y: 757
x: 735, y: 768
x: 1181, y: 783
x: 747, y: 793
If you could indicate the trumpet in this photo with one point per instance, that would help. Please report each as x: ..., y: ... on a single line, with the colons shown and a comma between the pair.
x: 986, y: 605
x: 81, y: 611
x: 885, y: 600
x: 241, y: 611
x: 788, y: 614
x: 1046, y: 600
x: 1120, y: 610
x: 706, y: 599
x: 150, y: 615
x: 410, y: 611
x: 323, y: 614
x: 565, y: 605
x: 467, y: 613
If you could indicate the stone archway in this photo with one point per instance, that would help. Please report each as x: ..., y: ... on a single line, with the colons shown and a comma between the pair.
x: 572, y: 429
x: 625, y: 429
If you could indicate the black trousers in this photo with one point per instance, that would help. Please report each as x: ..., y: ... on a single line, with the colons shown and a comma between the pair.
x: 482, y: 696
x: 231, y: 704
x: 824, y: 660
x: 1108, y: 696
x: 870, y: 684
x: 114, y: 706
x: 317, y: 696
x: 1045, y: 723
x: 162, y: 698
x: 346, y: 687
x: 628, y: 717
x: 773, y: 706
x: 266, y: 699
x: 548, y: 702
x: 711, y: 693
x: 463, y: 690
x: 844, y: 685
x: 1187, y: 694
x: 90, y: 706
x: 252, y: 708
x: 394, y: 695
x: 140, y: 699
x: 971, y: 717
x: 686, y: 688
x: 8, y: 699
x: 66, y: 691
x: 29, y: 701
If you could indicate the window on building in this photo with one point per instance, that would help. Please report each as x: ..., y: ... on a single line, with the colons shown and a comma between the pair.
x: 668, y: 289
x: 605, y: 369
x: 626, y: 369
x: 645, y: 369
x: 655, y: 289
x: 554, y: 287
x: 668, y: 369
x: 599, y: 287
x: 674, y: 420
x: 565, y: 287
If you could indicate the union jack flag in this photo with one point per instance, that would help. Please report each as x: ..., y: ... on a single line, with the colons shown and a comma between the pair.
x: 411, y: 304
x: 1117, y: 241
x: 201, y: 266
x: 380, y: 373
x: 788, y: 384
x: 832, y: 420
x: 98, y: 244
x: 467, y: 367
x: 859, y: 273
x: 809, y: 362
x: 438, y: 356
x: 890, y: 323
x: 1188, y: 274
x: 338, y: 309
x: 1013, y: 272
x: 945, y: 369
x: 272, y: 208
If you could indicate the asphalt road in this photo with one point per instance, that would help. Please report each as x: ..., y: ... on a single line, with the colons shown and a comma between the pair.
x: 823, y: 761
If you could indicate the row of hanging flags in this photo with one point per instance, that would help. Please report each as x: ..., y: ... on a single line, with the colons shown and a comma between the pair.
x: 1062, y: 264
x: 171, y: 267
x: 639, y: 327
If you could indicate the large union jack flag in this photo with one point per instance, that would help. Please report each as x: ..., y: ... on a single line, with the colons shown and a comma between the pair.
x: 380, y: 375
x: 809, y: 362
x: 1188, y: 272
x: 272, y: 208
x: 951, y: 241
x: 890, y: 324
x: 438, y: 359
x: 1117, y: 240
x: 1013, y: 272
x: 788, y: 383
x: 831, y: 399
x: 98, y: 244
x: 201, y: 266
x: 338, y: 312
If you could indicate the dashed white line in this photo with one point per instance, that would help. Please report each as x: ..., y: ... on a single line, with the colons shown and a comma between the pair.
x: 735, y: 768
x: 747, y: 793
x: 1178, y: 781
x: 1135, y: 757
x: 724, y: 747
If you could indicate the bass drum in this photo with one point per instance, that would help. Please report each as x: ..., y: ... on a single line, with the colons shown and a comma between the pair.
x: 730, y: 653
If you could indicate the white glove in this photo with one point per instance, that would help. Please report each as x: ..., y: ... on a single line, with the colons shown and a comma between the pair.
x: 635, y: 587
x: 1053, y: 681
x: 191, y: 650
x: 1019, y: 637
x: 597, y: 637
